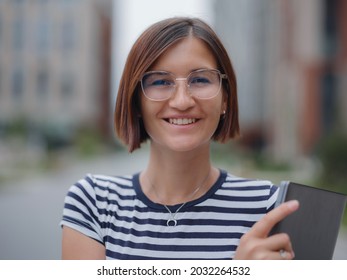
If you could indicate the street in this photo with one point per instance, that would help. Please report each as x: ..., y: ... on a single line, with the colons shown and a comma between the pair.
x: 30, y: 210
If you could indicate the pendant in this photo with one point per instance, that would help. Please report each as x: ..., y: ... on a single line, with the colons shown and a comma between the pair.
x: 171, y: 223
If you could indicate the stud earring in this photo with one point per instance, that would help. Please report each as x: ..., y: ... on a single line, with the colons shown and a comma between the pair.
x: 222, y: 116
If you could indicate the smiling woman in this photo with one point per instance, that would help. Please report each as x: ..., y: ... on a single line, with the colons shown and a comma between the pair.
x: 178, y: 91
x: 143, y: 57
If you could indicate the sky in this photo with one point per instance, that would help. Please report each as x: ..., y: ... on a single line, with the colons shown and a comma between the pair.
x: 131, y: 17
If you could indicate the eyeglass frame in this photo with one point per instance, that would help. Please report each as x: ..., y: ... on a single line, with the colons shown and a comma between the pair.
x: 221, y: 77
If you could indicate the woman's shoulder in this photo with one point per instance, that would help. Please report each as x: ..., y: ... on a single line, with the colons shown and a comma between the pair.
x: 239, y: 181
x: 104, y: 180
x: 99, y: 183
x: 254, y: 189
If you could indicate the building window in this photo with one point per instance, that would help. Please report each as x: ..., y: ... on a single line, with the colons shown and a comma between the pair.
x: 1, y: 30
x: 68, y: 35
x: 69, y: 3
x: 42, y: 81
x: 67, y: 85
x: 18, y: 2
x: 18, y: 34
x: 330, y: 27
x: 43, y: 2
x: 0, y: 81
x: 43, y: 34
x: 17, y: 83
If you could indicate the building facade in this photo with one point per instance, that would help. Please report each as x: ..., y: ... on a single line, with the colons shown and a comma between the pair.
x: 291, y: 63
x: 54, y: 61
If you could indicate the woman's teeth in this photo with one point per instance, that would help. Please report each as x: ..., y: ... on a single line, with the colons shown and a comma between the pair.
x: 182, y: 121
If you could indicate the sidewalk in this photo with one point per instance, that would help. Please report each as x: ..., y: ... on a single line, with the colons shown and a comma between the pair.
x: 30, y: 210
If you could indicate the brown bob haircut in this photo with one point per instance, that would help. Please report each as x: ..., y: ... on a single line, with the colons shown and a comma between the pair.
x: 145, y: 51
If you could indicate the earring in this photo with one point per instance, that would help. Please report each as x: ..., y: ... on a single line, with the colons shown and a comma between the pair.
x: 222, y: 116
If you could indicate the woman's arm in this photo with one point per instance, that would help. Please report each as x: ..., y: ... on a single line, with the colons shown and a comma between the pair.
x: 77, y: 246
x: 256, y: 244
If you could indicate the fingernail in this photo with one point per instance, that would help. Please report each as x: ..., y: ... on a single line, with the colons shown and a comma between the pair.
x: 293, y: 204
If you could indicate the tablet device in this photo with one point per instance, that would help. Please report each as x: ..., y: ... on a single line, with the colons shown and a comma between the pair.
x: 314, y: 227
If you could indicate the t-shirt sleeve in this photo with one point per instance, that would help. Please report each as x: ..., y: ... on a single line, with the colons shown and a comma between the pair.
x: 273, y: 193
x: 80, y: 209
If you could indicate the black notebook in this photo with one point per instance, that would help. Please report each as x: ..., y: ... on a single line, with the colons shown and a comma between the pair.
x: 314, y: 228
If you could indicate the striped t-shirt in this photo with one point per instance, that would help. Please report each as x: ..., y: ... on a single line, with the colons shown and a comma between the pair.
x: 114, y: 211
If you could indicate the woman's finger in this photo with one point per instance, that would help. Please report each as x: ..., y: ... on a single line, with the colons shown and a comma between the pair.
x: 278, y: 242
x: 263, y: 227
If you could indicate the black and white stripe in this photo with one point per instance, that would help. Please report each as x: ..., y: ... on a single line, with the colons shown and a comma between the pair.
x: 115, y: 212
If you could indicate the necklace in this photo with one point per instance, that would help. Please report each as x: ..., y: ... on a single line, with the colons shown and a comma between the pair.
x: 172, y: 221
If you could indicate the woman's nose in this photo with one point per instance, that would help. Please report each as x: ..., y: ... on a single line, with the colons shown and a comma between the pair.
x: 181, y: 98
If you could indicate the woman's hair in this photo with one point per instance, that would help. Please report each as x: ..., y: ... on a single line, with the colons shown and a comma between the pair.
x: 145, y: 51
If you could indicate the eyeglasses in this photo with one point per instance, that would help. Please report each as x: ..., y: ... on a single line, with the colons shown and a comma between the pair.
x: 202, y: 84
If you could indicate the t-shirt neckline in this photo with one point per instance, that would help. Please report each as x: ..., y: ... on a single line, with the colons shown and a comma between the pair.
x: 142, y: 197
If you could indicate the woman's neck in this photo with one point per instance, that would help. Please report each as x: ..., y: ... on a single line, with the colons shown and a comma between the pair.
x: 177, y: 177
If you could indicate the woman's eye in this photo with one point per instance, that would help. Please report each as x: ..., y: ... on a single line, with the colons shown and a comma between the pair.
x: 199, y: 80
x: 161, y: 82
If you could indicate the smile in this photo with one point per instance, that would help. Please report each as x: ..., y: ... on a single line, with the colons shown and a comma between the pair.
x: 182, y: 121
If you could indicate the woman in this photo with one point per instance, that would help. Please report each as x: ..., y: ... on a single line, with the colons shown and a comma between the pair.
x: 178, y: 90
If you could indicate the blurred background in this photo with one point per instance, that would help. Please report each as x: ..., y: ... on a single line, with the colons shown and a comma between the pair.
x: 60, y: 64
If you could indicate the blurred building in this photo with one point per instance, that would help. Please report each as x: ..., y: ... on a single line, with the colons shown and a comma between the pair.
x: 291, y: 63
x: 241, y: 26
x: 55, y: 62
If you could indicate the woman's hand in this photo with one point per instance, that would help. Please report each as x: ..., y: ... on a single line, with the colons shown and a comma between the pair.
x: 256, y: 244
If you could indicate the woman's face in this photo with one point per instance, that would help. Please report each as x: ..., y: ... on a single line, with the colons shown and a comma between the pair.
x: 183, y: 122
